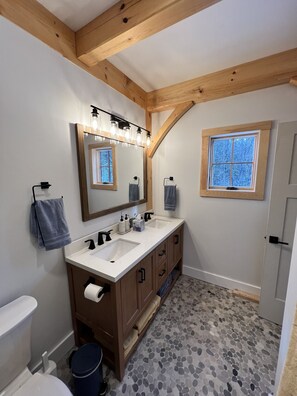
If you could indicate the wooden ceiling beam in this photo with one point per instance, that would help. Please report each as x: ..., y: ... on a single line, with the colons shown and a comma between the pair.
x: 128, y: 22
x: 41, y: 23
x: 177, y: 114
x: 262, y: 73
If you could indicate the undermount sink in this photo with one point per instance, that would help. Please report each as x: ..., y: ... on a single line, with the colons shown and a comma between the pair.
x: 115, y: 250
x: 157, y: 223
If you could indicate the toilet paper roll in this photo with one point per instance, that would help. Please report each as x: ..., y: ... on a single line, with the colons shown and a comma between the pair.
x: 92, y: 292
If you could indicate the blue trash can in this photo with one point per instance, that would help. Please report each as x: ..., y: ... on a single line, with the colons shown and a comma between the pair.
x: 86, y: 369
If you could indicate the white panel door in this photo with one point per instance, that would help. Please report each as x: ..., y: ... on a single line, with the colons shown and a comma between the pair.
x: 281, y: 225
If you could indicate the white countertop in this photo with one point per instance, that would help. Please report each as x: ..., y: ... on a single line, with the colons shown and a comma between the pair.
x: 77, y: 254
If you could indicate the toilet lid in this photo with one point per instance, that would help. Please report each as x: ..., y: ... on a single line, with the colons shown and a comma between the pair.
x: 45, y: 385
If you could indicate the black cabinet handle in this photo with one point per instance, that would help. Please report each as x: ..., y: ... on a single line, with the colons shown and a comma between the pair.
x: 162, y: 273
x: 176, y: 239
x: 162, y: 253
x: 276, y: 241
x: 142, y: 274
x: 141, y: 277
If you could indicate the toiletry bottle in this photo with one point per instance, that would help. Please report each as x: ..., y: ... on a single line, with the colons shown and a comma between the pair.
x: 122, y: 225
x: 127, y: 224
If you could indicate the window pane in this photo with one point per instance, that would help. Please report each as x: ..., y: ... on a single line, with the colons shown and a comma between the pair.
x: 244, y: 149
x: 222, y: 149
x: 220, y: 176
x: 104, y: 157
x: 106, y: 175
x: 242, y: 175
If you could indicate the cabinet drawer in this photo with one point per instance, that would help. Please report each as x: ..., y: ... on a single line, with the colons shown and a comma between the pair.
x: 162, y: 252
x: 161, y: 273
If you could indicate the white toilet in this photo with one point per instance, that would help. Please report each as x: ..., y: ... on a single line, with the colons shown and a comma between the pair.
x: 15, y: 354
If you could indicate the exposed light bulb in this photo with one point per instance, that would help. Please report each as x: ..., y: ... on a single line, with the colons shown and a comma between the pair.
x: 138, y: 136
x: 114, y: 128
x: 127, y: 133
x: 95, y: 119
x: 95, y: 123
x: 148, y: 139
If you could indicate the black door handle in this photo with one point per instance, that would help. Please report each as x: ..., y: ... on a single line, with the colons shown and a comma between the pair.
x: 275, y: 240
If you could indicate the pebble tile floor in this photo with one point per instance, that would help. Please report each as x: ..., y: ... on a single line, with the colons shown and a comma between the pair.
x: 203, y: 341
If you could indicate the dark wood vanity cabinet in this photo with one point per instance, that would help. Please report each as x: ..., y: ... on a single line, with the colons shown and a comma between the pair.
x: 175, y: 242
x: 137, y: 290
x: 110, y: 321
x: 161, y: 263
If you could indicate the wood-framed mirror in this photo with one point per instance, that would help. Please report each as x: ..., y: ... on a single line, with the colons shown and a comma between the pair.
x: 112, y: 173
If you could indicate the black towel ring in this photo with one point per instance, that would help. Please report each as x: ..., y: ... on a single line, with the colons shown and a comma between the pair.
x: 42, y: 185
x: 167, y: 178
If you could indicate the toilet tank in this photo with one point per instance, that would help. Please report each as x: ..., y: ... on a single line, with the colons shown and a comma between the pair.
x: 15, y: 338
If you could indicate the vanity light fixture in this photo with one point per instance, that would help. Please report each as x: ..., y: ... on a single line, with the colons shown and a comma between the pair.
x: 138, y: 136
x: 119, y: 126
x: 114, y: 126
x: 127, y: 129
x: 95, y: 118
x: 148, y: 139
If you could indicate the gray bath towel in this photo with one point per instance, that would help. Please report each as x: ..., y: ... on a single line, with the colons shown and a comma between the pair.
x: 169, y: 197
x: 133, y: 192
x: 48, y: 224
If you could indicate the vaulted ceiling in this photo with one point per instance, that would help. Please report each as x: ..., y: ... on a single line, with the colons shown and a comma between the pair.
x: 166, y: 53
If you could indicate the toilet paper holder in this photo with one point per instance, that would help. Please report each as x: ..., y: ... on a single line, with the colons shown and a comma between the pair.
x: 106, y: 287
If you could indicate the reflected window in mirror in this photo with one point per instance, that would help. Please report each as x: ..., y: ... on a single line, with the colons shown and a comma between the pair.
x: 103, y: 172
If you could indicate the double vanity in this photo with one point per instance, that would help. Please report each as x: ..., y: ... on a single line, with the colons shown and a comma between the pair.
x: 131, y: 269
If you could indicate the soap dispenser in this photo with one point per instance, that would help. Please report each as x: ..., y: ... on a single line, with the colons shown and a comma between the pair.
x: 127, y: 223
x: 122, y: 228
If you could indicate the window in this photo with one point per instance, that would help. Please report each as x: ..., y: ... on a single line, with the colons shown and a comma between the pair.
x: 102, y: 166
x: 234, y: 161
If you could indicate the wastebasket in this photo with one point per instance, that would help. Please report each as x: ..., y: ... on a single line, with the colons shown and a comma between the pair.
x: 86, y: 369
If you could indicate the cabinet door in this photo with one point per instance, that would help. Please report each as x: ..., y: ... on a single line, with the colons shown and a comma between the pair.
x: 147, y: 286
x: 130, y: 297
x: 176, y: 248
x: 161, y: 273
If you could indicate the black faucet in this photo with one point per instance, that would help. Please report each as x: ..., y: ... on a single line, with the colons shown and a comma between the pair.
x: 147, y: 216
x: 100, y: 237
x: 92, y: 244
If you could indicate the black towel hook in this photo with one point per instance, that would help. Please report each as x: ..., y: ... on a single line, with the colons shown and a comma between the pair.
x: 137, y: 179
x: 42, y: 185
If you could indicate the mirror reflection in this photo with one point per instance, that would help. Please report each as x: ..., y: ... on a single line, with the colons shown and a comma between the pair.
x: 112, y: 173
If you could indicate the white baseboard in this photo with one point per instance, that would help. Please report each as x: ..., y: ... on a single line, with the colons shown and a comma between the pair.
x: 220, y: 280
x: 58, y: 351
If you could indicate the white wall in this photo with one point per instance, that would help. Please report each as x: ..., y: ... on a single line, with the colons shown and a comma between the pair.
x: 289, y: 314
x: 42, y: 96
x: 223, y: 237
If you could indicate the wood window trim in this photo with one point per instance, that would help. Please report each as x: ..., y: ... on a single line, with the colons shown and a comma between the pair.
x: 264, y: 136
x: 97, y: 186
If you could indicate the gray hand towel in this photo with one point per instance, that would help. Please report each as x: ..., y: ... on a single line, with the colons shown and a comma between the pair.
x: 133, y: 192
x: 48, y: 224
x: 169, y: 197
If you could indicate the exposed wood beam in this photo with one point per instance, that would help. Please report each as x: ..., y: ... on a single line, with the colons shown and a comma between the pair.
x: 38, y: 21
x: 293, y: 81
x: 130, y: 21
x: 177, y: 113
x: 262, y: 73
